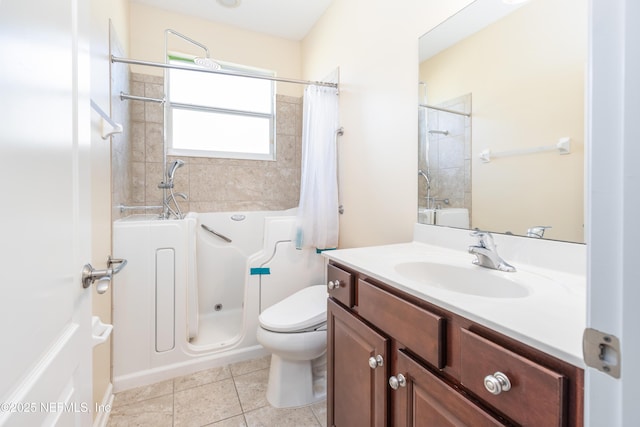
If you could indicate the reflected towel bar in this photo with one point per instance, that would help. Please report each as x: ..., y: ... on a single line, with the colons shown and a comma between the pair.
x: 563, y: 147
x: 446, y: 110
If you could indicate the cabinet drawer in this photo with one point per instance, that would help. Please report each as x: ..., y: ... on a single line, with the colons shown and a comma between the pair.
x: 340, y: 285
x: 419, y: 330
x: 537, y: 396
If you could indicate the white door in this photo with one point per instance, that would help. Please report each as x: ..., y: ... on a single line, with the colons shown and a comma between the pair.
x: 614, y: 207
x: 45, y: 314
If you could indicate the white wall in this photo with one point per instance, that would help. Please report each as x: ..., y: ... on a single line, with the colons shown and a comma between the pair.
x: 224, y: 42
x: 375, y: 45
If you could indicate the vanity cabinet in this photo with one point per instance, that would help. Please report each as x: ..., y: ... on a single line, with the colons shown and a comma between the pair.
x: 396, y: 360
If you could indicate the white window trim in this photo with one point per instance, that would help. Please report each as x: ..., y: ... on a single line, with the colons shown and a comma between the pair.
x: 271, y: 156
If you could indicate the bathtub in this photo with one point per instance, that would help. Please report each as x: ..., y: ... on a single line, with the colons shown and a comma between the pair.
x: 189, y: 299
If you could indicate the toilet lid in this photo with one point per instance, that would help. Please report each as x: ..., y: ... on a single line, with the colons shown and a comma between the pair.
x: 302, y: 310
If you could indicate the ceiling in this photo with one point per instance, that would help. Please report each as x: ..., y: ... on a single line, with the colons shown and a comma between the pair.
x: 471, y: 19
x: 289, y: 19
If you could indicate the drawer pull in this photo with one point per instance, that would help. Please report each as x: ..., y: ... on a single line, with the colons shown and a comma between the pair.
x: 374, y: 362
x: 333, y: 284
x: 397, y: 381
x: 497, y: 383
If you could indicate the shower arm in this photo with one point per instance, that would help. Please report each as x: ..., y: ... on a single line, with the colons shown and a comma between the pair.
x: 164, y: 141
x: 183, y: 37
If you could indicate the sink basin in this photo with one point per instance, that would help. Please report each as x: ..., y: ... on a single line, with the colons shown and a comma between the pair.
x: 470, y: 280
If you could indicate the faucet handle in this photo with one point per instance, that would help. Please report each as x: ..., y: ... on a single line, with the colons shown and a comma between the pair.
x: 485, y: 239
x: 537, y: 231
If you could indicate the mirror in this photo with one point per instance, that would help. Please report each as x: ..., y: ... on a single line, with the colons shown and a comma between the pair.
x: 515, y: 161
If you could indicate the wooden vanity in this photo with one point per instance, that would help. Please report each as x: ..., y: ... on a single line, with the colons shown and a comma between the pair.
x: 397, y: 360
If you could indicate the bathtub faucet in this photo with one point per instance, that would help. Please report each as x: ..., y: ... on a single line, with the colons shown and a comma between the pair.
x: 169, y: 202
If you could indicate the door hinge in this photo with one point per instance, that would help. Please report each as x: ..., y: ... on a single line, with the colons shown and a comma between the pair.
x: 601, y: 351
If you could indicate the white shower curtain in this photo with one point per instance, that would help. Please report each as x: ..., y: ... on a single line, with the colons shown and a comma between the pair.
x: 317, y: 222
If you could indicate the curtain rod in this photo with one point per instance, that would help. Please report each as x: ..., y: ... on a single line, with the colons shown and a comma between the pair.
x: 205, y: 70
x: 446, y: 110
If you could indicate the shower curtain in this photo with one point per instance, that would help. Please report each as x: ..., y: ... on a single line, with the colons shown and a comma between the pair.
x: 317, y: 221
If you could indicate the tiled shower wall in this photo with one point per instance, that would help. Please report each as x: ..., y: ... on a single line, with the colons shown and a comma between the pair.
x: 449, y: 155
x: 213, y: 184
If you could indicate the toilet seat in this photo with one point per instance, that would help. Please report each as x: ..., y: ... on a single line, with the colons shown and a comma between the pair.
x: 302, y: 311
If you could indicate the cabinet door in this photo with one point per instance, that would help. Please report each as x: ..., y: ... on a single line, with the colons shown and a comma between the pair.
x: 357, y: 393
x: 422, y: 399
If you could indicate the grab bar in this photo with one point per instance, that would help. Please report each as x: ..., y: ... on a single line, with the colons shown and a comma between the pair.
x: 124, y: 207
x: 223, y: 237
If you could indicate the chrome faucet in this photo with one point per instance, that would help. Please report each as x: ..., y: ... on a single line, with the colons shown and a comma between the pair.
x: 486, y: 253
x: 537, y: 231
x: 168, y: 196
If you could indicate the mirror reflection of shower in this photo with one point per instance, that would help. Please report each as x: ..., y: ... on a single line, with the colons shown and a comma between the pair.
x: 444, y: 154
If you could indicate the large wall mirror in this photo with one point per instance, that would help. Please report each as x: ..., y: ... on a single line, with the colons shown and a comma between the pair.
x: 502, y: 119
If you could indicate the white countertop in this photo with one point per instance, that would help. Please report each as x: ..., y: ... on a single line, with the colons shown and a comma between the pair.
x: 551, y: 318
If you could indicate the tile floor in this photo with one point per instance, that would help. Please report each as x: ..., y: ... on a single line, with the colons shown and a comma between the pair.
x: 228, y: 396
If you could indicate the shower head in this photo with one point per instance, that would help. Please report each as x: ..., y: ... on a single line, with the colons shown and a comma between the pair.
x: 172, y: 169
x: 202, y: 61
x: 207, y: 63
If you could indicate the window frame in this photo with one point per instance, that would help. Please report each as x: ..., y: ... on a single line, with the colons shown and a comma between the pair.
x: 170, y: 107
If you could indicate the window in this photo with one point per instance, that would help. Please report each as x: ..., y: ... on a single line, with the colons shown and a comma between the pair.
x: 219, y: 115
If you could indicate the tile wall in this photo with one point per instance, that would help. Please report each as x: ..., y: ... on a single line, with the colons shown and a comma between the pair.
x: 212, y: 184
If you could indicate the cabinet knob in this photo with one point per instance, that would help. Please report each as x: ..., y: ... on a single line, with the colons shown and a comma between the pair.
x: 397, y: 381
x: 333, y: 284
x: 497, y: 383
x: 374, y: 362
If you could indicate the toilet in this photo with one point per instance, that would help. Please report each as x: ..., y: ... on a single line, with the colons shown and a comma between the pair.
x: 294, y: 330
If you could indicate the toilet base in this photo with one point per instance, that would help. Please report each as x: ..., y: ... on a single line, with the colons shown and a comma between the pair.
x: 296, y: 382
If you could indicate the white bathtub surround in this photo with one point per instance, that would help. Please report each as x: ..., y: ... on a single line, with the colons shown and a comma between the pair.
x: 549, y: 316
x: 452, y: 217
x: 189, y: 300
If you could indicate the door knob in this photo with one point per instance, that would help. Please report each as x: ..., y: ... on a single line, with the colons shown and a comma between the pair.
x: 102, y: 278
